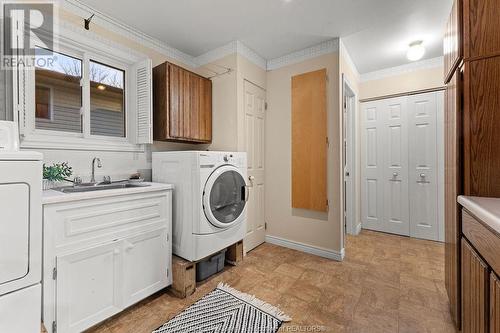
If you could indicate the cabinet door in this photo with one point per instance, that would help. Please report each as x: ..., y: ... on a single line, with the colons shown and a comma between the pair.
x: 452, y: 188
x: 481, y: 134
x: 481, y: 28
x: 474, y: 291
x: 494, y: 304
x: 89, y: 287
x: 452, y: 47
x: 205, y: 116
x: 423, y: 170
x: 175, y: 101
x: 146, y: 265
x: 194, y: 106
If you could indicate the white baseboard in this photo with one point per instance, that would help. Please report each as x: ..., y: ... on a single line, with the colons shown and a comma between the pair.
x: 358, y: 229
x: 330, y: 254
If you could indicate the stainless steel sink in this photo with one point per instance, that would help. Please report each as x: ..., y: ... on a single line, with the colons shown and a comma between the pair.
x: 98, y: 187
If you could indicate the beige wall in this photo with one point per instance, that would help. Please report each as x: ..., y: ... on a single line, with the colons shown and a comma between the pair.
x: 321, y: 230
x: 407, y: 82
x: 228, y: 100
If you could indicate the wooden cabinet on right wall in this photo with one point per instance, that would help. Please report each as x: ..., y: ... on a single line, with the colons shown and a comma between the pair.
x: 474, y: 291
x: 494, y: 303
x: 452, y: 47
x: 481, y: 29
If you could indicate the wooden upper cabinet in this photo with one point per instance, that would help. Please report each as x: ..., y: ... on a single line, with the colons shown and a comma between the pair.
x: 182, y: 105
x: 452, y: 47
x: 481, y: 133
x: 475, y: 292
x: 481, y: 28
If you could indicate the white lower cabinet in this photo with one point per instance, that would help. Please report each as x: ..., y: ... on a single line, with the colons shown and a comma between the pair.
x: 146, y: 259
x: 95, y: 268
x: 89, y: 284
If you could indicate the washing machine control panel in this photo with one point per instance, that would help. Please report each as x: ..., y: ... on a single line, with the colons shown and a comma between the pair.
x: 235, y: 159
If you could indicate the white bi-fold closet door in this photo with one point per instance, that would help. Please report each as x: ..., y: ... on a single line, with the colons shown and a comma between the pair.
x: 401, y: 169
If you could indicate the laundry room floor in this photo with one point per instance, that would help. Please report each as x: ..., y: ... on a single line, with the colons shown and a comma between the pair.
x: 385, y: 284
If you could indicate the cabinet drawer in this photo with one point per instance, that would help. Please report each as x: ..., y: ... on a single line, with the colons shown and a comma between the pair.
x: 483, y: 239
x: 88, y: 222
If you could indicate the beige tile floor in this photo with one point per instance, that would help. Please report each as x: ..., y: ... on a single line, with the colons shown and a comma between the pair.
x: 385, y: 284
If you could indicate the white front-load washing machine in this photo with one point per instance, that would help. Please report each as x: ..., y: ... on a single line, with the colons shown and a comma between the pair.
x: 209, y: 199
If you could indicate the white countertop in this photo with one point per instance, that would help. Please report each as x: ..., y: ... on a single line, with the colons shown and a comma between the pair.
x: 53, y: 197
x: 485, y: 209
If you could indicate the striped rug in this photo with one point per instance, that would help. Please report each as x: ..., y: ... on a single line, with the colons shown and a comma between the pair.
x: 226, y: 310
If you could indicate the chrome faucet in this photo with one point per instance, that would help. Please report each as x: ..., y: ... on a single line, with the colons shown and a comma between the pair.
x: 99, y: 165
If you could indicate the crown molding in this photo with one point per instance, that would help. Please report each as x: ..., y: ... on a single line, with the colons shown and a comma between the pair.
x: 78, y: 8
x: 326, y: 47
x: 403, y: 69
x: 251, y: 55
x: 231, y: 48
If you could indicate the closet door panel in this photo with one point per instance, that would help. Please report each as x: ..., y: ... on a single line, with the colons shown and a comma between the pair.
x: 371, y: 187
x: 395, y: 165
x: 423, y: 166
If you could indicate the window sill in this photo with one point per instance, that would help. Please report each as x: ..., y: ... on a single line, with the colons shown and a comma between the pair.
x: 76, y: 143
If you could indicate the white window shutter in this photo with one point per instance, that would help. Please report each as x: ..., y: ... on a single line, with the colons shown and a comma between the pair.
x: 143, y: 102
x: 19, y: 83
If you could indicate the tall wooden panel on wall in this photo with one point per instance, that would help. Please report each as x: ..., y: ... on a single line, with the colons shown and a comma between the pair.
x: 309, y: 141
x: 494, y: 303
x: 481, y: 132
x: 452, y: 47
x: 475, y: 291
x: 481, y: 28
x: 452, y: 188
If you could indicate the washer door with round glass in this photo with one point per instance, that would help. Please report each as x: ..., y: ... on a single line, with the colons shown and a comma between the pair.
x: 225, y: 196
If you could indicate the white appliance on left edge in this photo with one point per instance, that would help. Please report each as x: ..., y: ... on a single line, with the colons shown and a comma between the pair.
x: 20, y: 234
x: 209, y: 199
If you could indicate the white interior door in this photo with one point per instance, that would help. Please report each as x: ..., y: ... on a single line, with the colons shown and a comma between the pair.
x: 384, y: 187
x: 400, y: 171
x: 371, y: 166
x: 255, y: 98
x: 395, y: 166
x: 423, y: 166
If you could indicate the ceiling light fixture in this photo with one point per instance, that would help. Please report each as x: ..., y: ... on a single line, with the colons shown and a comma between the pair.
x: 416, y: 50
x: 101, y: 87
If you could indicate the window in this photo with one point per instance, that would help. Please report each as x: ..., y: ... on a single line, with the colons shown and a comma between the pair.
x: 93, y: 95
x: 107, y: 100
x: 58, y: 94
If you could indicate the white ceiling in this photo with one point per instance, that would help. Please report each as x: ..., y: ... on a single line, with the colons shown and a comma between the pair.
x: 375, y: 32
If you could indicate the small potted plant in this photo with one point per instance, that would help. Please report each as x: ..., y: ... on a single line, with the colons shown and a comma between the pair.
x: 55, y: 173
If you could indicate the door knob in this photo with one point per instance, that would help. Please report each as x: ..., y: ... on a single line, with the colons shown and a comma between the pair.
x: 422, y: 175
x: 395, y: 174
x: 251, y: 178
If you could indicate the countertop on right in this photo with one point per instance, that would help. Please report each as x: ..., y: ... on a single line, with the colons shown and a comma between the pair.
x: 485, y: 209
